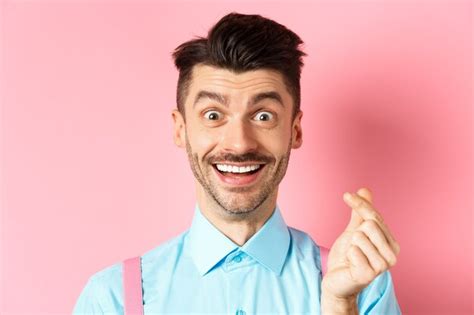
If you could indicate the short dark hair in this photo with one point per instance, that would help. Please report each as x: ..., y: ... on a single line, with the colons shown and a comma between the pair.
x: 240, y: 42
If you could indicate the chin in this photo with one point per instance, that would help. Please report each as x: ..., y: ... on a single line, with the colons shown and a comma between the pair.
x: 241, y: 204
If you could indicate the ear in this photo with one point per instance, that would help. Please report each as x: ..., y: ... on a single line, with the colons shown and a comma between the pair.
x: 179, y: 132
x: 296, y: 131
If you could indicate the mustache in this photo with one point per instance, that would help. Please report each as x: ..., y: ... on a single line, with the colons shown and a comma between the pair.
x: 247, y: 157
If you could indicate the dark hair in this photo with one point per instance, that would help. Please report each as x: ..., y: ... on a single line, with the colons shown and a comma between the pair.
x: 240, y: 42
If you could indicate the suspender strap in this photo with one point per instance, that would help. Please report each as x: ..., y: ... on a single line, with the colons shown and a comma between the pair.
x: 132, y: 286
x: 132, y: 282
x: 324, y: 252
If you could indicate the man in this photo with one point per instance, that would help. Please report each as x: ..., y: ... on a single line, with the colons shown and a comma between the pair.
x: 238, y: 117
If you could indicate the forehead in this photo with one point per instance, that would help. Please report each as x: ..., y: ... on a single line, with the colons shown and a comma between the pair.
x: 236, y: 84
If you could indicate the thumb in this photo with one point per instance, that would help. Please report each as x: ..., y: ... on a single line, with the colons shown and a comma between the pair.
x: 356, y: 219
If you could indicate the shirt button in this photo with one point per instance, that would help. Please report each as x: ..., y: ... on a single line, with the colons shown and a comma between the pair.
x: 238, y: 259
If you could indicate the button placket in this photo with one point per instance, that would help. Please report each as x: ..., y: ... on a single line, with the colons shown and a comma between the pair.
x: 236, y: 260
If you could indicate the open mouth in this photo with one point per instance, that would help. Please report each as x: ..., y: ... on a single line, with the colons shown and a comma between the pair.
x: 238, y: 174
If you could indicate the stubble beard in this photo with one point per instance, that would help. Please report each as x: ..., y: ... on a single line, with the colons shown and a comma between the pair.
x: 235, y: 201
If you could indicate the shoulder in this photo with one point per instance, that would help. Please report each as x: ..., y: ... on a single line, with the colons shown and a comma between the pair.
x: 304, y: 247
x: 302, y: 240
x: 104, y: 288
x: 169, y: 248
x: 162, y: 259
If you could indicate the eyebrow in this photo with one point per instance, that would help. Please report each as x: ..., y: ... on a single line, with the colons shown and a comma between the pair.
x: 224, y: 99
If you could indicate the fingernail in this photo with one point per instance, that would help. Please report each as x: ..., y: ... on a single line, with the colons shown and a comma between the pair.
x: 347, y: 196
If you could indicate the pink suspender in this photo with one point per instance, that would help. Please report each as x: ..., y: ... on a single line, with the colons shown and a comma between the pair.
x: 132, y: 282
x: 132, y: 286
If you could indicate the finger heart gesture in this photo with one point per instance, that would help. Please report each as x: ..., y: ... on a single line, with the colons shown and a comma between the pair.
x: 363, y: 251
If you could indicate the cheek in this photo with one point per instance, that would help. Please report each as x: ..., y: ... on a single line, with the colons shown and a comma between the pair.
x: 276, y: 147
x: 202, y: 141
x: 206, y: 140
x: 276, y: 141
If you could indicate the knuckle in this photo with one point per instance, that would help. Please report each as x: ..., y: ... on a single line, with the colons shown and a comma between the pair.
x: 352, y: 251
x: 372, y: 224
x: 392, y: 260
x: 382, y: 266
x: 358, y: 237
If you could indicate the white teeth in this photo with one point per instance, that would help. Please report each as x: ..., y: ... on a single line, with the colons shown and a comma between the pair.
x: 236, y: 169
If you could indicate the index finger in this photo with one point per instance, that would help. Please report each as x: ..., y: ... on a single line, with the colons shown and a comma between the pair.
x: 368, y: 212
x: 363, y: 207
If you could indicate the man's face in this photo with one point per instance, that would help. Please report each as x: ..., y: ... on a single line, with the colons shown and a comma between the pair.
x: 238, y: 134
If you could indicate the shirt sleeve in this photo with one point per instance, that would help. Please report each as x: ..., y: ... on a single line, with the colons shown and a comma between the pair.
x: 379, y: 297
x: 88, y: 301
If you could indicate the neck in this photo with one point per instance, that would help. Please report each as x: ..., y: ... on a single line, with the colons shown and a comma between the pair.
x: 238, y: 227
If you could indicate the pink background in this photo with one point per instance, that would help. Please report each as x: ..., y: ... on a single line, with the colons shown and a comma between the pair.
x: 90, y: 175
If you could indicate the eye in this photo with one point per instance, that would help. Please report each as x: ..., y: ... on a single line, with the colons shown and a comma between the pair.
x: 264, y: 116
x: 212, y: 115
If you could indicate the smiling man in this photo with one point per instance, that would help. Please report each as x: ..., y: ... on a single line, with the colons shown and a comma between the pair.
x: 238, y: 130
x: 238, y: 117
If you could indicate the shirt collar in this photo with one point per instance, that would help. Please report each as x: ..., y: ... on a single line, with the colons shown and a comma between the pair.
x: 269, y: 246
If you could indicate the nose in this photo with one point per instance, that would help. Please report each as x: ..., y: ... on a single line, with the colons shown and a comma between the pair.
x: 238, y: 137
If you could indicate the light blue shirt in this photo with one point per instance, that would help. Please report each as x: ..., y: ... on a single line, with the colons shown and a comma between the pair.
x: 201, y: 271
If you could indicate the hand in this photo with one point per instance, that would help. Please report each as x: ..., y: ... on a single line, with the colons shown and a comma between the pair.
x: 363, y: 251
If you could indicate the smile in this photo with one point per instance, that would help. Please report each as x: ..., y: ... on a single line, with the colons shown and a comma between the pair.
x: 238, y: 175
x: 237, y: 169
